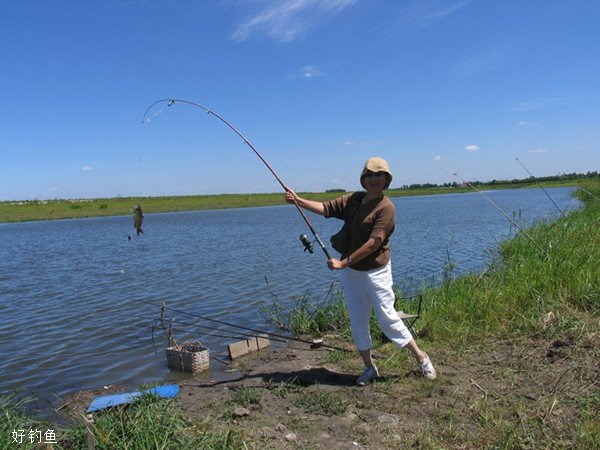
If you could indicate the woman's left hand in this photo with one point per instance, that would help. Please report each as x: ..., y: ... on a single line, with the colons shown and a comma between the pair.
x: 335, y: 264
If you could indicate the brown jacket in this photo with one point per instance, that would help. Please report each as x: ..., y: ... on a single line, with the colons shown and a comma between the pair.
x: 372, y: 219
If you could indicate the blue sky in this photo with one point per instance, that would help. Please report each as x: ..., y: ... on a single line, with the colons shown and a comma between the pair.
x: 435, y: 87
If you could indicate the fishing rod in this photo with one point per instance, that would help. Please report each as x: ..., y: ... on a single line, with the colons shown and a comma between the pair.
x: 589, y: 193
x: 542, y: 188
x: 254, y: 330
x: 238, y: 335
x: 160, y: 321
x: 580, y: 187
x: 303, y: 238
x: 505, y: 215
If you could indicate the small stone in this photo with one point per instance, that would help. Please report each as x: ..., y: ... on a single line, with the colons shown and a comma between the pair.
x: 290, y: 437
x: 280, y: 427
x: 316, y: 343
x: 549, y: 318
x: 388, y: 418
x: 241, y: 412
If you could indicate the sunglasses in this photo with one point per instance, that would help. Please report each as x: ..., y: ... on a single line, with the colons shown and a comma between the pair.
x: 373, y: 174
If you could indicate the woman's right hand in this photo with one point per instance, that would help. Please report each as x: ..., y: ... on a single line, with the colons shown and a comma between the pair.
x: 290, y: 196
x: 310, y: 205
x: 336, y: 264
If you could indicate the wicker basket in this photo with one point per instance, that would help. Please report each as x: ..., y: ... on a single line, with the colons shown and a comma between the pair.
x: 189, y: 356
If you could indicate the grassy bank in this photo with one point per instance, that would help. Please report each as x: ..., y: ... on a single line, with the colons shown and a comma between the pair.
x: 530, y: 324
x: 525, y: 290
x: 517, y: 348
x: 23, y: 211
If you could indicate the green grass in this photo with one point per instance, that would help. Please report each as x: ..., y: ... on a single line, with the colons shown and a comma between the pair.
x: 588, y: 434
x: 14, y: 419
x: 151, y: 423
x: 308, y: 316
x: 524, y: 286
x: 319, y: 401
x: 241, y: 396
x: 245, y: 396
x: 284, y: 388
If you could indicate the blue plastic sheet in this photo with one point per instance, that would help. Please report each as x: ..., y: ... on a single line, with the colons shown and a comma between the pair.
x: 108, y: 401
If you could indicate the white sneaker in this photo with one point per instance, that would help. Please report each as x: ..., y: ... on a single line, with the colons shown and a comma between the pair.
x: 368, y: 375
x: 428, y: 369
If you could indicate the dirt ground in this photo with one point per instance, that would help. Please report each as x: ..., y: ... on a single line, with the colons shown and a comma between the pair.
x: 511, y: 394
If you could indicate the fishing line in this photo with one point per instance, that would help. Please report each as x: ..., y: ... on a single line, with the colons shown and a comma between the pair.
x: 156, y: 114
x: 505, y: 215
x: 170, y: 102
x: 542, y: 188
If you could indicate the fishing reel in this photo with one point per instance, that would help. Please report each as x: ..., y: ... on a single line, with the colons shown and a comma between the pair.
x: 306, y: 242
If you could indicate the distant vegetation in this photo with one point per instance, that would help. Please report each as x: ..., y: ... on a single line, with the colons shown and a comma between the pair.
x: 31, y: 210
x: 565, y: 177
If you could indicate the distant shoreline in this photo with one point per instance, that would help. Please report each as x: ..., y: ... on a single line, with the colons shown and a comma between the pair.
x: 36, y: 210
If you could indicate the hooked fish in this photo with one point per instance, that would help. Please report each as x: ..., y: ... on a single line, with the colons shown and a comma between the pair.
x: 138, y: 218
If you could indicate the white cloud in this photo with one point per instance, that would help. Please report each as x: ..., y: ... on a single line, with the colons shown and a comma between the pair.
x: 525, y: 123
x: 53, y: 189
x: 361, y: 144
x: 309, y: 72
x: 437, y: 158
x: 87, y: 168
x: 538, y: 150
x: 485, y: 61
x: 471, y: 148
x: 536, y: 104
x: 421, y: 14
x: 288, y: 20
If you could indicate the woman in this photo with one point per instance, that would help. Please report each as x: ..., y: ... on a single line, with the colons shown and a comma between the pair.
x: 365, y: 264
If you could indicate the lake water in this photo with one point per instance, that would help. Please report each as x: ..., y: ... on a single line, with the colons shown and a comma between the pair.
x: 78, y: 299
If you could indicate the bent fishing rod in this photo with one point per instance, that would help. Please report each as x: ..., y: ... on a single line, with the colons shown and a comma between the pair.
x: 305, y: 241
x: 503, y: 213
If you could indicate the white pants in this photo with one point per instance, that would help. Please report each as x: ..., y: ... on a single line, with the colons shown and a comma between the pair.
x: 373, y: 289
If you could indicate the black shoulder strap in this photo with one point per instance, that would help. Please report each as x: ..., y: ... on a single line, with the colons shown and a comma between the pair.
x: 357, y: 197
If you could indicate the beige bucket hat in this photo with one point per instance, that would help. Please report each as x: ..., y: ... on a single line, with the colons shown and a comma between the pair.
x: 376, y: 164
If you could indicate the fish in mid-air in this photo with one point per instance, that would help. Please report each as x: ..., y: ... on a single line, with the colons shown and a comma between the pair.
x: 138, y: 218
